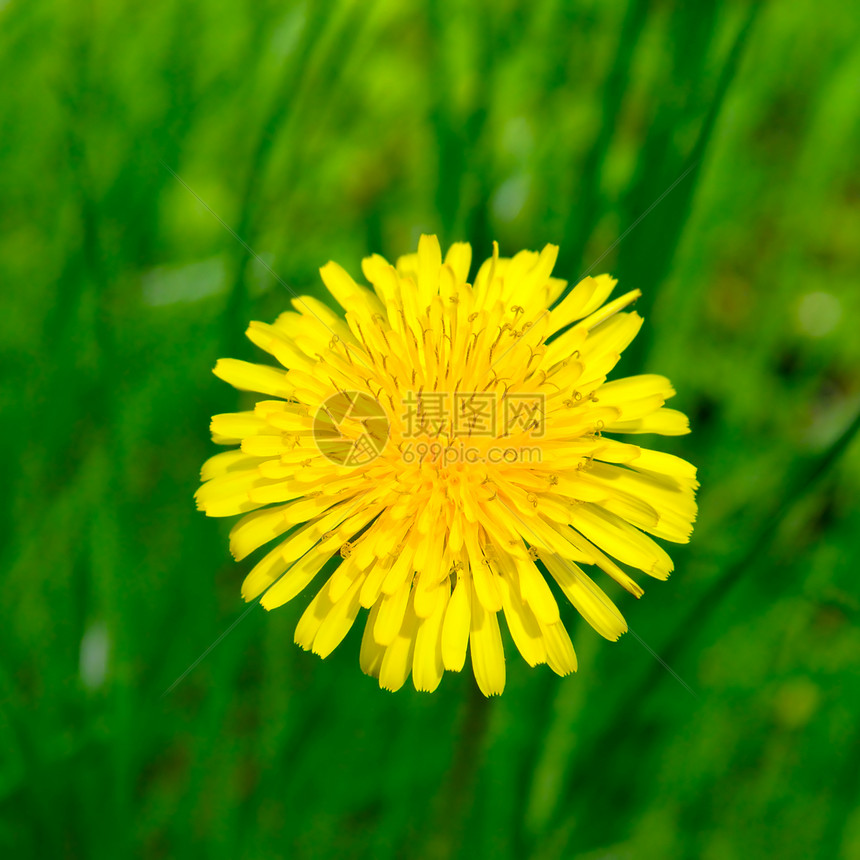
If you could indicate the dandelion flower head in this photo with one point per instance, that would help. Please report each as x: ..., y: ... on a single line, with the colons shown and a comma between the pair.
x: 439, y: 455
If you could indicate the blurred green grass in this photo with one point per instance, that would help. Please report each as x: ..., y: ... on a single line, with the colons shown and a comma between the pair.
x: 329, y: 131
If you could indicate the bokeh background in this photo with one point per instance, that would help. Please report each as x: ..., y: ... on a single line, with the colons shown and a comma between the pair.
x: 704, y: 152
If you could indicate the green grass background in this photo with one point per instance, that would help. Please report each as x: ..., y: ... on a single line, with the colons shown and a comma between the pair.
x: 328, y: 131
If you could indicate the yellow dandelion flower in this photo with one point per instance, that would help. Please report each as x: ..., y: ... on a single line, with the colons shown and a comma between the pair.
x: 441, y: 452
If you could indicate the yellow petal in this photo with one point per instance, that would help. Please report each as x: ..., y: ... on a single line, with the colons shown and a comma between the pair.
x: 482, y: 574
x: 665, y: 422
x: 372, y: 585
x: 296, y: 579
x: 347, y: 574
x: 230, y: 428
x: 559, y: 649
x: 382, y: 276
x: 342, y: 287
x: 485, y: 646
x: 229, y: 494
x: 590, y: 601
x: 666, y: 464
x: 588, y: 295
x: 312, y: 618
x: 255, y: 529
x: 428, y: 595
x: 392, y: 611
x: 320, y: 316
x: 455, y: 627
x: 611, y: 338
x: 487, y: 277
x: 427, y: 664
x: 337, y: 622
x: 253, y: 377
x: 371, y: 654
x: 621, y: 540
x: 524, y: 628
x: 264, y: 573
x: 637, y: 387
x: 429, y: 264
x: 459, y: 258
x: 555, y: 287
x: 397, y: 662
x: 401, y: 570
x: 593, y: 320
x: 535, y: 592
x: 267, y: 446
x: 287, y: 491
x: 672, y: 500
x: 228, y: 462
x: 407, y: 266
x: 606, y: 564
x: 277, y: 344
